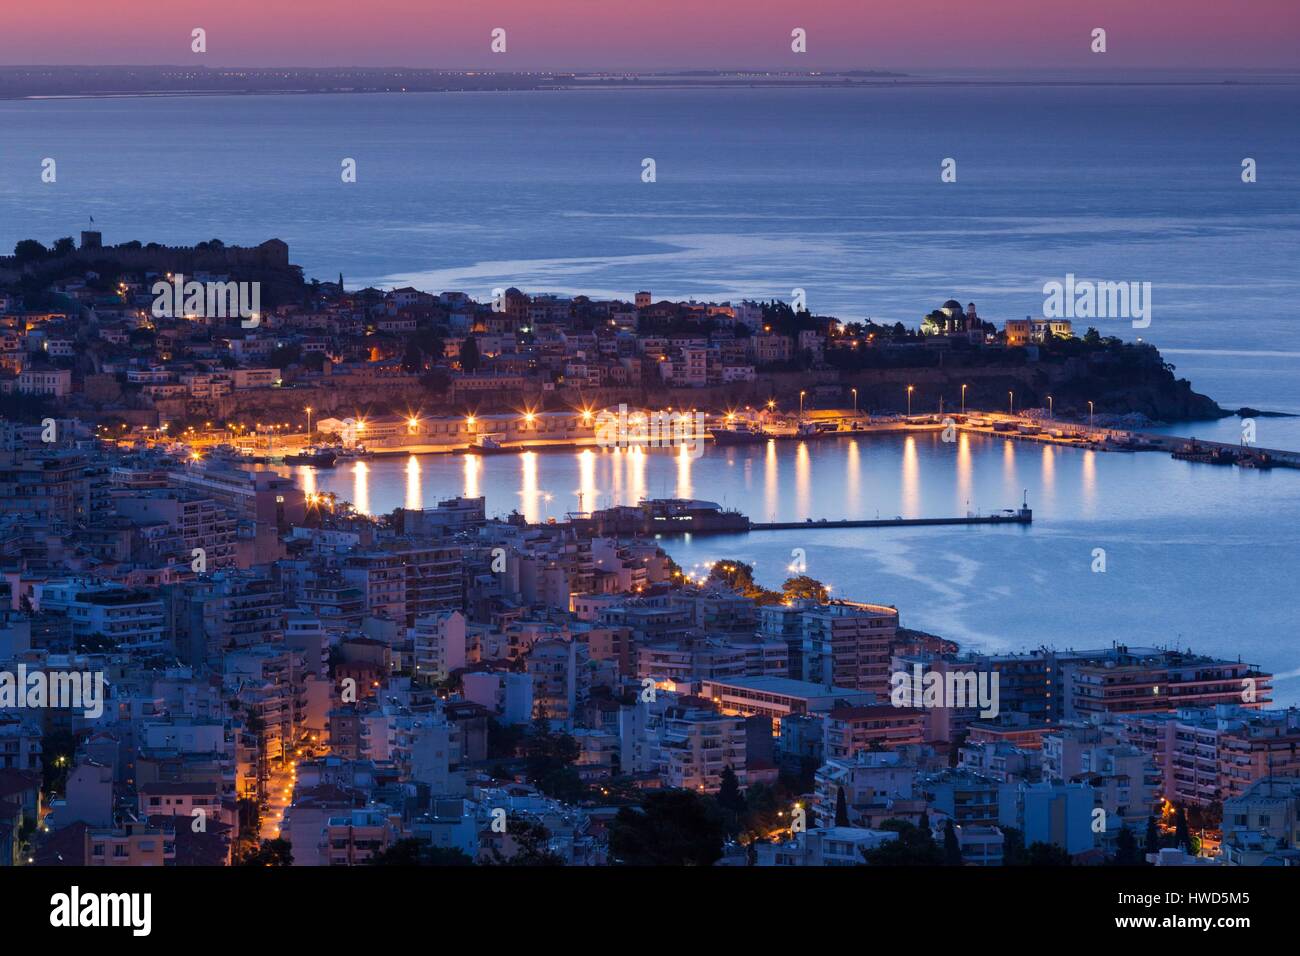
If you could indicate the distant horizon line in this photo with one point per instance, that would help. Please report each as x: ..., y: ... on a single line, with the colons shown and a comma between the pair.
x: 669, y: 71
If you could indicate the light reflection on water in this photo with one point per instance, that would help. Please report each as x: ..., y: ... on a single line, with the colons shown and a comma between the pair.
x: 913, y: 475
x: 1197, y: 555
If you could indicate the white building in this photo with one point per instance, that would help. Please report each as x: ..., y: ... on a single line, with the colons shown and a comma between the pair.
x: 439, y: 645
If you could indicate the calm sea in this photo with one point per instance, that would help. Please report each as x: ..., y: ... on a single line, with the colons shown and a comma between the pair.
x: 836, y: 192
x: 1195, y: 555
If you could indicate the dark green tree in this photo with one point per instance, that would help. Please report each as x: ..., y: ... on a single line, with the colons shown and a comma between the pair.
x: 1126, y: 848
x: 671, y: 828
x: 29, y: 250
x: 841, y: 808
x: 418, y: 853
x: 469, y: 355
x: 531, y: 845
x: 271, y: 853
x: 1047, y: 854
x: 1182, y: 836
x: 549, y: 760
x: 914, y: 846
x: 951, y: 846
x: 1013, y: 847
x: 1152, y: 842
x: 803, y: 586
x: 729, y: 795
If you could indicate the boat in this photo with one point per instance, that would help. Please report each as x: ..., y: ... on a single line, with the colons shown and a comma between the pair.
x: 781, y: 429
x: 486, y: 445
x: 316, y: 457
x: 355, y: 453
x: 738, y: 433
x: 1204, y: 454
x: 1259, y: 460
x: 813, y: 429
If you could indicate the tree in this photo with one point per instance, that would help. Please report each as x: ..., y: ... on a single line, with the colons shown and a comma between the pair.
x: 841, y: 808
x: 804, y: 587
x: 763, y: 808
x: 729, y: 795
x: 1208, y: 817
x: 671, y: 828
x: 1182, y: 837
x: 1152, y: 842
x: 412, y: 358
x: 731, y: 803
x: 1013, y: 847
x: 59, y: 748
x: 418, y: 853
x: 29, y: 250
x: 531, y: 843
x: 503, y: 740
x: 437, y: 381
x: 286, y: 355
x: 734, y: 574
x: 63, y: 247
x: 1047, y: 854
x: 951, y: 846
x: 549, y: 760
x: 1126, y: 848
x: 469, y: 355
x: 276, y: 852
x: 914, y: 846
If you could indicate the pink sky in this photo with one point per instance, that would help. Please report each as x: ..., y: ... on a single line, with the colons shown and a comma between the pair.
x: 653, y: 34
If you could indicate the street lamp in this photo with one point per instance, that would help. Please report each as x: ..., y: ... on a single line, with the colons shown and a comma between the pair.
x: 909, y: 401
x: 1050, y: 412
x: 963, y: 399
x: 308, y: 411
x: 1011, y: 402
x: 1089, y: 414
x: 855, y: 400
x: 801, y: 395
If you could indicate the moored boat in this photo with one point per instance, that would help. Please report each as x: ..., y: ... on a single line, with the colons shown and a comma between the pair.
x: 316, y: 457
x: 486, y: 445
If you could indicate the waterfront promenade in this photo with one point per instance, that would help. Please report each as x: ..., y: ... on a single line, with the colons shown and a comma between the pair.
x: 560, y: 430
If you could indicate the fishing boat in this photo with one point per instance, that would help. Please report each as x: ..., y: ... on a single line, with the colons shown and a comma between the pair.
x: 738, y: 433
x: 1258, y: 460
x: 486, y: 445
x: 1204, y: 454
x: 355, y: 453
x: 316, y: 457
x: 781, y: 428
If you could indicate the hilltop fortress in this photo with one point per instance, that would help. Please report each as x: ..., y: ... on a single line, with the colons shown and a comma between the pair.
x: 268, y: 261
